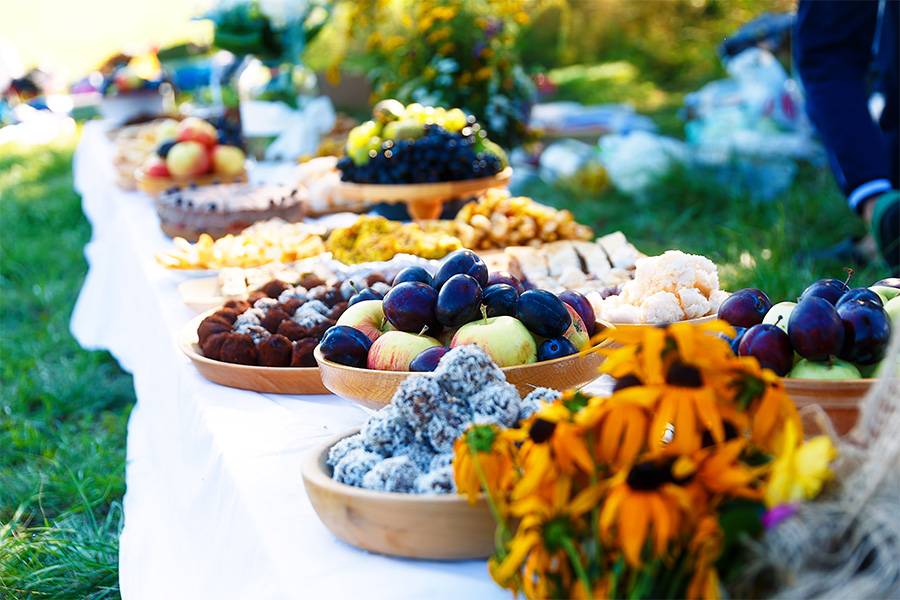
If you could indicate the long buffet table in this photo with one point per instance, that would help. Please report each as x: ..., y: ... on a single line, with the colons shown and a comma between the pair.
x: 215, y: 505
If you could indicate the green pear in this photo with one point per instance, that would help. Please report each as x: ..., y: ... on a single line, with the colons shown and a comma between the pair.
x: 781, y: 311
x: 831, y: 370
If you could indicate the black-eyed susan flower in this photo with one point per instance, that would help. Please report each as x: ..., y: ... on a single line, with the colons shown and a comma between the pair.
x: 619, y: 426
x: 705, y: 547
x: 720, y: 471
x: 643, y: 504
x: 760, y: 392
x: 483, y: 458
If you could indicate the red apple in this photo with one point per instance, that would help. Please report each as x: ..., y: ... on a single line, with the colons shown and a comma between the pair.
x: 394, y: 350
x: 194, y: 129
x: 228, y: 160
x: 577, y: 332
x: 366, y: 316
x: 156, y: 167
x: 187, y: 159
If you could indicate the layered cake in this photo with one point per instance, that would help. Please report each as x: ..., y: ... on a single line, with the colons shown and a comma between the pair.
x: 225, y: 208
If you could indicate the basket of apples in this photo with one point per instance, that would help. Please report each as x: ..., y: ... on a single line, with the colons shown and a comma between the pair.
x: 420, y: 155
x: 537, y: 338
x: 829, y: 346
x: 194, y: 157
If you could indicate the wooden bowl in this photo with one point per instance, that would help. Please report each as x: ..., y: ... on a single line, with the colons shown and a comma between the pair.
x: 408, y: 525
x: 201, y: 293
x: 696, y: 321
x: 374, y: 389
x: 839, y: 399
x: 424, y: 200
x: 154, y: 186
x: 268, y: 380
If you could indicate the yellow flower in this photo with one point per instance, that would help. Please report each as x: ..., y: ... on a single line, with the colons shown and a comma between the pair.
x: 447, y: 49
x: 546, y: 533
x: 620, y: 428
x: 642, y: 501
x: 438, y: 35
x: 721, y: 472
x: 800, y: 469
x: 483, y: 73
x: 761, y: 393
x: 705, y: 546
x: 483, y: 456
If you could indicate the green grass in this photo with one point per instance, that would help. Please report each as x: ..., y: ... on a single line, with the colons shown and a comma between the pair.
x: 63, y: 410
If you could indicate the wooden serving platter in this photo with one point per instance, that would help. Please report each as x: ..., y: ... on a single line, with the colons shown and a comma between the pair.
x: 268, y: 380
x: 154, y: 186
x: 374, y: 389
x: 424, y: 200
x: 436, y: 527
x: 840, y: 399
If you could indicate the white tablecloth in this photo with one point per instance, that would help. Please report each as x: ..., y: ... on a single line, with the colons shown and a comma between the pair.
x: 215, y: 506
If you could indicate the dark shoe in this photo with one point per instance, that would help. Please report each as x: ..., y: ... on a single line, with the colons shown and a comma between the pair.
x: 886, y: 229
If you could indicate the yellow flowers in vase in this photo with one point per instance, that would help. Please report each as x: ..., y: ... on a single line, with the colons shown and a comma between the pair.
x: 645, y: 493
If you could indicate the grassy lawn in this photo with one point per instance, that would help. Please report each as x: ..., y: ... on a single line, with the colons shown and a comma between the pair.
x: 63, y: 410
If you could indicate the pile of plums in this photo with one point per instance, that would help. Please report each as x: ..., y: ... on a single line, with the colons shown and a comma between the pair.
x: 422, y: 316
x: 831, y: 332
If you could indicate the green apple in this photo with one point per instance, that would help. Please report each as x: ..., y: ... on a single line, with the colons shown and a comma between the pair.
x: 505, y: 339
x: 892, y: 308
x: 886, y: 292
x: 368, y: 317
x: 393, y: 350
x: 834, y: 369
x: 781, y: 311
x: 880, y: 369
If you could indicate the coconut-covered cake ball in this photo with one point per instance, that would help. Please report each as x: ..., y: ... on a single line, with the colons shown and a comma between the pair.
x: 417, y: 399
x: 354, y: 465
x: 386, y: 432
x: 397, y: 474
x: 496, y: 403
x: 340, y: 450
x: 420, y: 453
x: 532, y: 402
x: 465, y: 370
x: 439, y: 481
x: 447, y: 423
x: 440, y: 461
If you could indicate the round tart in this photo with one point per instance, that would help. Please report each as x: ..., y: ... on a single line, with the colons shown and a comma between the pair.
x: 225, y: 208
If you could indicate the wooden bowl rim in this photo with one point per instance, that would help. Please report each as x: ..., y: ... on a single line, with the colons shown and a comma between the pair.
x: 188, y: 344
x: 314, y: 469
x: 696, y: 321
x: 507, y: 370
x: 826, y: 383
x: 415, y: 191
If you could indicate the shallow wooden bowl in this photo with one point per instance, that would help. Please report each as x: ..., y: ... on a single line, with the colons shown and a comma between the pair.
x: 268, y: 380
x: 839, y: 399
x: 154, y: 186
x: 407, y: 525
x: 698, y: 320
x: 424, y: 200
x: 374, y: 389
x: 201, y: 293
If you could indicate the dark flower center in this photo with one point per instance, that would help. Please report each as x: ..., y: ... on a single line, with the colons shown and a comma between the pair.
x: 541, y: 431
x: 626, y: 382
x: 684, y: 375
x: 729, y: 430
x: 648, y: 476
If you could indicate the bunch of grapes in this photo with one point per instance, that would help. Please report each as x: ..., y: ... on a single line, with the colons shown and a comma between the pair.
x: 416, y: 144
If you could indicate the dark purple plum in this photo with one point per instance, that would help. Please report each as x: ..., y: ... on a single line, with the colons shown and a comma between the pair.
x: 770, y: 346
x: 829, y: 289
x: 815, y: 329
x: 867, y: 331
x: 893, y: 282
x: 459, y: 301
x: 735, y: 341
x: 507, y: 278
x: 860, y: 294
x: 555, y: 348
x: 461, y: 262
x: 543, y: 313
x: 583, y: 307
x: 345, y: 345
x: 410, y: 305
x: 745, y: 308
x: 362, y: 295
x: 413, y: 274
x: 428, y: 359
x: 500, y: 299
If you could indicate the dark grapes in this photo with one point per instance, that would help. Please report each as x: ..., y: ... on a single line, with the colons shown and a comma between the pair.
x: 438, y: 155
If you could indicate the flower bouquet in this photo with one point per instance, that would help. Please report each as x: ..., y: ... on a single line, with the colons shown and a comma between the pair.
x: 652, y: 491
